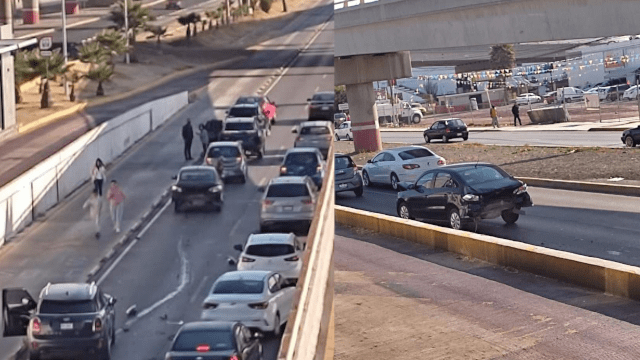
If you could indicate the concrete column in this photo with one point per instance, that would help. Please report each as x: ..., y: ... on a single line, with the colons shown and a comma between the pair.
x: 6, y: 12
x: 31, y: 12
x: 364, y: 117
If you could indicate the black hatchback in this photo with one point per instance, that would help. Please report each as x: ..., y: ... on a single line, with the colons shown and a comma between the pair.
x: 321, y: 106
x: 198, y: 186
x: 631, y: 137
x: 462, y: 193
x: 446, y: 129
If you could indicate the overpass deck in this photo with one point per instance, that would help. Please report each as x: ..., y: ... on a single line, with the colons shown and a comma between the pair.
x: 395, y: 297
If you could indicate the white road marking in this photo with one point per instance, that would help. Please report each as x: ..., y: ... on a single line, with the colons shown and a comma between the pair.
x: 48, y: 31
x: 282, y: 147
x: 317, y: 88
x: 199, y: 288
x: 324, y: 76
x: 262, y: 182
x: 236, y: 225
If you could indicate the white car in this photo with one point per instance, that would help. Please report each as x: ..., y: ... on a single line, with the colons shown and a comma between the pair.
x: 257, y: 299
x: 570, y: 94
x: 528, y: 98
x: 400, y: 164
x: 281, y: 253
x: 631, y: 93
x: 344, y: 131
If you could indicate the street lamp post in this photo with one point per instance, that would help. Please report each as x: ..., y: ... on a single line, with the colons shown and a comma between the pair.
x: 64, y: 43
x: 126, y: 31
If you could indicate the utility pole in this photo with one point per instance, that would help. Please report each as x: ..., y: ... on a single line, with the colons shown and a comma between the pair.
x: 637, y: 74
x: 126, y: 30
x: 64, y: 44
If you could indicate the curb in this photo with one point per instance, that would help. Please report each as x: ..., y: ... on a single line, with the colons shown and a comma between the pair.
x: 51, y: 118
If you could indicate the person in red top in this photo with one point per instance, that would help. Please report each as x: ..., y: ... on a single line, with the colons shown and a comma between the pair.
x: 116, y: 203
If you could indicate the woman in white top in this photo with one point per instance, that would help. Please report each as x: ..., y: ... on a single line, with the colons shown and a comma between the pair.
x: 94, y: 205
x: 98, y: 175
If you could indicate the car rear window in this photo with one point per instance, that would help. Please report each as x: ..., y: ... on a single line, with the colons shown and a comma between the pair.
x: 217, y: 340
x: 414, y: 154
x: 248, y: 100
x: 301, y: 159
x: 323, y: 97
x: 238, y: 126
x: 239, y: 287
x: 315, y: 130
x: 224, y: 151
x: 481, y: 174
x: 287, y: 190
x: 270, y: 250
x: 195, y: 175
x: 243, y: 112
x: 343, y: 162
x: 68, y: 307
x: 456, y: 122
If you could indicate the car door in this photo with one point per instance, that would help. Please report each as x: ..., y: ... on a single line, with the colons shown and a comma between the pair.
x: 389, y: 164
x: 17, y: 308
x: 286, y: 297
x: 340, y: 131
x: 374, y: 167
x: 417, y: 202
x: 438, y: 130
x: 443, y: 187
x: 276, y: 294
x: 251, y: 349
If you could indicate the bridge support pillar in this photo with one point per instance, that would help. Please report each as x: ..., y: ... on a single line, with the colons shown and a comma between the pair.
x: 358, y: 74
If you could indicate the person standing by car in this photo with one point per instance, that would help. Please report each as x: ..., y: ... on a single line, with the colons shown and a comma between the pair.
x: 516, y: 114
x: 494, y: 116
x: 116, y: 203
x: 204, y: 137
x: 98, y: 175
x: 94, y: 205
x: 187, y: 136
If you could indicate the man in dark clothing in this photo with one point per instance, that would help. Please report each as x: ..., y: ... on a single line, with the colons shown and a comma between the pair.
x: 187, y: 136
x: 516, y: 114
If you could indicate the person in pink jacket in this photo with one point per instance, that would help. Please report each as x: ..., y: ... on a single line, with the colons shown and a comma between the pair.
x: 116, y: 203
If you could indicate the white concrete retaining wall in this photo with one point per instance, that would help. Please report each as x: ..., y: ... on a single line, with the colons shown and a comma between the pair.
x: 47, y: 183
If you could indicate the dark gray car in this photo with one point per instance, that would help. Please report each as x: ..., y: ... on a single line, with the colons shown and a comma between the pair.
x: 321, y: 106
x: 347, y: 176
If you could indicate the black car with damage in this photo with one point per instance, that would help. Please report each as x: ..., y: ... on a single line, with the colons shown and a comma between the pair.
x: 197, y: 186
x: 248, y: 132
x: 463, y: 193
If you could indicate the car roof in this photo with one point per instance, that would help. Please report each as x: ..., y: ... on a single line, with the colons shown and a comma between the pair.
x: 289, y: 180
x: 244, y: 275
x: 441, y: 120
x: 301, y: 150
x: 405, y: 148
x: 224, y: 143
x: 274, y: 238
x: 314, y: 123
x: 208, y: 325
x: 252, y: 105
x: 197, y: 167
x: 324, y: 93
x: 69, y: 291
x: 465, y: 165
x: 240, y: 119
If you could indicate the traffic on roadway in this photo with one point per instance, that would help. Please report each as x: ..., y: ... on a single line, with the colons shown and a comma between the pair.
x: 214, y: 278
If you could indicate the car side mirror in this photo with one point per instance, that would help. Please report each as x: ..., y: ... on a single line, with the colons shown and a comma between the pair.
x: 308, y: 99
x: 226, y: 111
x: 258, y: 335
x: 369, y: 161
x: 294, y: 131
x: 411, y: 186
x: 112, y: 301
x: 25, y: 301
x: 261, y: 189
x: 237, y: 247
x: 174, y: 177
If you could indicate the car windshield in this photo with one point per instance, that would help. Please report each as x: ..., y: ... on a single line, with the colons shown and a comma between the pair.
x: 456, y: 122
x: 315, y: 130
x: 216, y: 340
x: 414, y: 154
x: 481, y: 174
x: 243, y: 112
x: 67, y: 307
x: 238, y: 126
x: 323, y: 97
x: 248, y: 100
x: 224, y: 151
x: 196, y: 175
x: 287, y: 190
x: 301, y: 159
x: 343, y: 162
x: 270, y: 250
x: 239, y: 287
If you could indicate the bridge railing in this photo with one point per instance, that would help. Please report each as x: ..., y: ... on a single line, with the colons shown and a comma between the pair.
x: 343, y: 4
x: 309, y: 331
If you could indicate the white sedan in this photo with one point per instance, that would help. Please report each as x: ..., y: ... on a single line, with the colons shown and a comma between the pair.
x: 281, y: 253
x: 402, y: 164
x: 528, y: 98
x: 631, y: 93
x: 257, y: 299
x: 344, y: 131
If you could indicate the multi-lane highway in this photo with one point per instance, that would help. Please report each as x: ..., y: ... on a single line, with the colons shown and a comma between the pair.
x: 167, y: 273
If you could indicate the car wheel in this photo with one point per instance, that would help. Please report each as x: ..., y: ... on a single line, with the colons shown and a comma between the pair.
x: 34, y: 356
x: 509, y: 216
x: 427, y: 139
x: 394, y: 181
x: 260, y: 153
x: 106, y: 353
x: 403, y: 211
x: 628, y: 141
x: 365, y: 179
x: 455, y: 221
x: 416, y: 119
x: 277, y: 327
x: 359, y: 191
x: 337, y: 137
x: 445, y: 139
x: 465, y: 138
x: 349, y: 138
x: 567, y: 100
x: 113, y: 335
x: 176, y: 206
x: 243, y: 179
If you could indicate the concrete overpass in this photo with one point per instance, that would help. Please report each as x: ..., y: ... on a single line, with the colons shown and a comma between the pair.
x: 373, y: 38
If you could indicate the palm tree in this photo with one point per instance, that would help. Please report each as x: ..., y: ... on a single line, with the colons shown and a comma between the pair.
x: 113, y: 42
x: 194, y: 18
x: 73, y: 78
x: 137, y: 18
x: 185, y: 21
x: 94, y: 54
x: 212, y: 15
x: 284, y: 6
x: 23, y: 73
x: 102, y: 73
x: 157, y: 31
x: 47, y: 68
x: 502, y: 56
x: 265, y: 5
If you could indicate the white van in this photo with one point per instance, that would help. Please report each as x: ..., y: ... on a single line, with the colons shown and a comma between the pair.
x: 403, y: 110
x: 570, y: 94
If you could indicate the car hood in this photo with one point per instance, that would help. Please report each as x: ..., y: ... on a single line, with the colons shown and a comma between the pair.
x: 496, y: 186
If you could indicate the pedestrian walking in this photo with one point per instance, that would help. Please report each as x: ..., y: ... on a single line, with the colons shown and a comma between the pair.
x: 494, y: 117
x: 516, y: 114
x: 94, y: 204
x: 187, y: 136
x: 204, y: 137
x: 98, y: 175
x: 116, y: 203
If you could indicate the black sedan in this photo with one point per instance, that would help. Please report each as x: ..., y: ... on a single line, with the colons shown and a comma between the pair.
x: 215, y: 341
x: 321, y: 106
x: 445, y: 130
x: 631, y: 137
x: 198, y: 186
x: 464, y: 193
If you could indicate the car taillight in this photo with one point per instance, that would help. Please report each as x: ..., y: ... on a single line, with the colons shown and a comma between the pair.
x: 97, y: 325
x: 246, y: 259
x: 209, y: 306
x: 442, y: 162
x: 283, y: 170
x: 410, y: 166
x: 239, y: 159
x: 307, y: 202
x: 36, y: 326
x: 259, y: 306
x: 319, y: 168
x: 203, y: 348
x: 267, y: 202
x: 209, y: 161
x: 233, y: 357
x: 293, y: 258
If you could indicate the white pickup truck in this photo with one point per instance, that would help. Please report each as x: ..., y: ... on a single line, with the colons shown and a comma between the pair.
x: 403, y: 109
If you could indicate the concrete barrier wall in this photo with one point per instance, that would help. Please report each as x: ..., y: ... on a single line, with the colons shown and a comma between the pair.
x: 50, y: 181
x: 309, y: 331
x: 614, y: 189
x: 603, y: 275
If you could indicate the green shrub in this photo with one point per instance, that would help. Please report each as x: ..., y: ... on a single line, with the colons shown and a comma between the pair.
x: 265, y: 5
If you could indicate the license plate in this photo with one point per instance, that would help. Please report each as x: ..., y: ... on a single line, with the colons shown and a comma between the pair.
x: 198, y: 202
x: 342, y: 186
x: 66, y: 326
x: 459, y: 134
x: 288, y: 208
x: 325, y: 108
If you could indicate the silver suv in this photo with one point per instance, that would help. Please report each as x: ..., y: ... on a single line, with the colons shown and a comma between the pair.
x: 317, y: 134
x: 229, y: 159
x: 289, y: 201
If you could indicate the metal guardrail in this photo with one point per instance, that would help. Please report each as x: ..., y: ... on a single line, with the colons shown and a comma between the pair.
x: 309, y: 331
x: 343, y: 4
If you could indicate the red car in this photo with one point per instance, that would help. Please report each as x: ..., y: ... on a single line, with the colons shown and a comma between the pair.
x: 268, y: 106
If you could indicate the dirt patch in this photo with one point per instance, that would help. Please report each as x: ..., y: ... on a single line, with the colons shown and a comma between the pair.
x: 566, y: 163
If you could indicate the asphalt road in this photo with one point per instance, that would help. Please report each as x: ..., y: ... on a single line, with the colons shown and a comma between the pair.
x: 519, y: 138
x: 180, y: 254
x: 597, y: 225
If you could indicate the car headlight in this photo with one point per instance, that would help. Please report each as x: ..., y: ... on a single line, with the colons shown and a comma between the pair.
x: 176, y: 188
x: 471, y: 197
x: 521, y: 189
x: 216, y: 188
